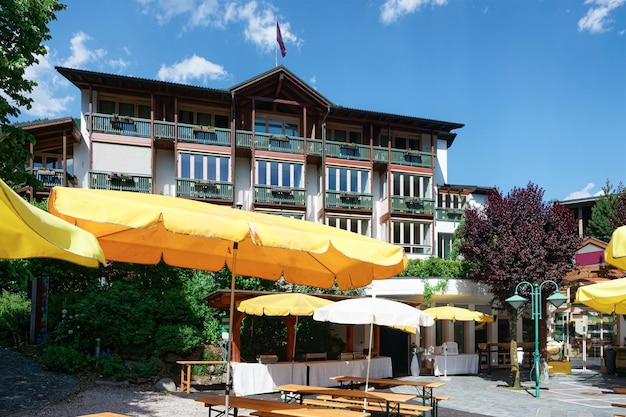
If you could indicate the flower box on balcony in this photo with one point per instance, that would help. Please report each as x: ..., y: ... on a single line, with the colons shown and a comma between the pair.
x: 282, y: 191
x: 207, y: 129
x: 412, y: 152
x: 45, y: 172
x: 349, y: 196
x: 115, y: 176
x: 205, y: 184
x: 350, y: 145
x: 116, y: 118
x: 280, y: 138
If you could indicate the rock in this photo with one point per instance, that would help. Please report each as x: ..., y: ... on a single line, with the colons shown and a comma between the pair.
x: 165, y: 384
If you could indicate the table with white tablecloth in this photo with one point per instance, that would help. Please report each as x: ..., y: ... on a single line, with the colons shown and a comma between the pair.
x: 461, y: 364
x: 259, y: 378
x: 321, y: 371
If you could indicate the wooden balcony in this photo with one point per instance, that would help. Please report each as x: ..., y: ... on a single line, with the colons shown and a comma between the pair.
x: 349, y: 200
x: 271, y: 195
x: 204, y: 189
x: 449, y: 214
x: 102, y: 180
x: 412, y: 205
x: 208, y: 135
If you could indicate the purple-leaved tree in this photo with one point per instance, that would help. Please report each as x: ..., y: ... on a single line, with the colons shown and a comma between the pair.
x: 519, y: 237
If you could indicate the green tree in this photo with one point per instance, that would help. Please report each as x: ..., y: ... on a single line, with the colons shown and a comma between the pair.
x: 604, y: 214
x: 518, y: 237
x: 23, y: 29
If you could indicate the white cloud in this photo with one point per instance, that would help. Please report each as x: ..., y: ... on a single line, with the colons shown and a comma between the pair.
x: 81, y: 54
x: 194, y: 68
x: 47, y: 101
x: 392, y: 10
x: 586, y: 192
x: 597, y: 19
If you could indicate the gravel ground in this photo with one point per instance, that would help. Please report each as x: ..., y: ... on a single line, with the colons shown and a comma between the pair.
x: 28, y: 390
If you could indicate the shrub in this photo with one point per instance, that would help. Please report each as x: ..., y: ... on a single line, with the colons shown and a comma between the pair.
x: 14, y: 318
x: 64, y: 359
x: 177, y: 338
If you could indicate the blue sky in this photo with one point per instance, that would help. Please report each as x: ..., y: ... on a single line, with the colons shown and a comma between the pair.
x: 539, y: 85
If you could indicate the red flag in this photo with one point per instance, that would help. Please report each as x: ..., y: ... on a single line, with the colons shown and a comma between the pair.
x: 279, y: 39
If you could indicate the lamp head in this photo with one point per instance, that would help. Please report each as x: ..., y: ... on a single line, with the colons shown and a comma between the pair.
x: 557, y: 299
x: 516, y: 301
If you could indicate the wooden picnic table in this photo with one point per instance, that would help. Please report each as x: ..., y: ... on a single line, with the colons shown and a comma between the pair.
x: 426, y: 387
x: 267, y: 407
x: 391, y: 400
x: 185, y: 377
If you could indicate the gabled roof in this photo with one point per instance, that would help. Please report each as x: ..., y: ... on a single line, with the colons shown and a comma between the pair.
x: 49, y: 134
x: 280, y: 82
x: 465, y: 189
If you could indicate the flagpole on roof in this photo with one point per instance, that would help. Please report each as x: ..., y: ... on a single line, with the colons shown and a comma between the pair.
x: 276, y: 45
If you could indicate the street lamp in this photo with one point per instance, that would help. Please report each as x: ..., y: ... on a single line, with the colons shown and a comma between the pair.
x: 516, y: 302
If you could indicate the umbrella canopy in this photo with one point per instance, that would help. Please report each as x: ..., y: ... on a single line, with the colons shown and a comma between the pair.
x: 283, y: 304
x: 458, y: 314
x: 372, y: 311
x: 293, y: 304
x: 606, y: 297
x: 615, y: 252
x: 148, y: 228
x: 29, y: 232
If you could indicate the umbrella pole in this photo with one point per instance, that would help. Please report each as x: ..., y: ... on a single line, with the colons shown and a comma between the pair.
x: 369, y: 360
x: 293, y: 352
x: 230, y: 328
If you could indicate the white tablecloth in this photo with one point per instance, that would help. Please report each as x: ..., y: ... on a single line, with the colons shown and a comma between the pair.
x: 321, y: 371
x: 257, y: 378
x: 461, y: 364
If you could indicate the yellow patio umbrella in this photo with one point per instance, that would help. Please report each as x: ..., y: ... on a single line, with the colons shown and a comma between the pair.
x: 615, y: 252
x: 606, y: 297
x: 29, y: 232
x: 148, y: 228
x: 458, y: 314
x: 292, y: 304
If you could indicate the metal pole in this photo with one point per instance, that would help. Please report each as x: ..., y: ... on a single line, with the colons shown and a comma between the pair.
x: 536, y: 301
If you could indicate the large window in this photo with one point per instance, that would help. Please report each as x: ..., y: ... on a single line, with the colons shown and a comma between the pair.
x: 413, y: 236
x: 203, y: 118
x: 444, y: 245
x: 112, y: 106
x: 408, y: 185
x: 276, y: 124
x: 279, y: 173
x: 402, y: 141
x: 348, y: 134
x: 204, y: 167
x: 343, y: 179
x: 453, y: 201
x: 360, y: 225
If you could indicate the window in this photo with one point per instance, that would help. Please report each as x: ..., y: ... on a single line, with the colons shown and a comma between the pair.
x: 402, y: 141
x: 350, y: 134
x: 127, y: 109
x: 452, y: 201
x: 413, y: 236
x: 204, y: 167
x: 352, y: 180
x: 279, y: 173
x: 106, y: 106
x: 204, y: 119
x: 221, y: 121
x: 185, y: 116
x: 444, y: 246
x: 143, y: 111
x: 277, y: 125
x: 408, y: 185
x: 360, y: 225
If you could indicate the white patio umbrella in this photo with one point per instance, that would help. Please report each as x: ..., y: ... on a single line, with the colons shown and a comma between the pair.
x: 372, y: 311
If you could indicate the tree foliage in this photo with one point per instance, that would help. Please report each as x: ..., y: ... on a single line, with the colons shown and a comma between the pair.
x: 23, y: 29
x: 518, y: 237
x: 605, y: 216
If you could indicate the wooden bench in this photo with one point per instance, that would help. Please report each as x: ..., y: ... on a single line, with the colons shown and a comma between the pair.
x: 405, y: 409
x: 268, y: 407
x: 619, y: 390
x: 185, y: 377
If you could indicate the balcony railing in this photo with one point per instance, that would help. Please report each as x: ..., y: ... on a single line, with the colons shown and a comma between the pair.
x: 349, y: 200
x: 279, y: 195
x: 204, y: 189
x: 102, y: 180
x: 135, y: 126
x: 449, y: 214
x: 413, y: 205
x: 49, y: 177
